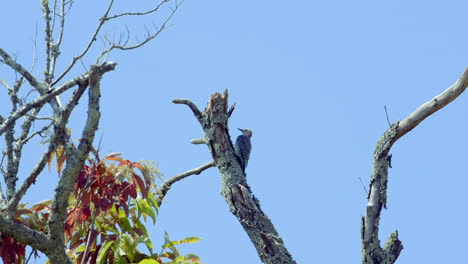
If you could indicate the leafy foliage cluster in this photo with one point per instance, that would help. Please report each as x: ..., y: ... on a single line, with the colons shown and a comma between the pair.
x: 109, y: 206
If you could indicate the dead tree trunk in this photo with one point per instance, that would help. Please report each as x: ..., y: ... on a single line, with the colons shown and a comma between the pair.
x: 237, y: 193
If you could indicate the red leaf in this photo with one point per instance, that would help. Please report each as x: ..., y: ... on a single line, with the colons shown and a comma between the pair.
x: 22, y: 211
x: 104, y: 204
x: 132, y: 191
x: 138, y: 231
x: 129, y: 189
x: 113, y: 156
x: 139, y: 182
x: 86, y: 198
x: 85, y: 213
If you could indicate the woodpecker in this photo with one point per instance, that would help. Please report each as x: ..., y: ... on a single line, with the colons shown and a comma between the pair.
x: 243, y: 147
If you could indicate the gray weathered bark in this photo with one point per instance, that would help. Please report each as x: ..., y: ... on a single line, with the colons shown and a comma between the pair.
x: 24, y: 114
x: 237, y: 193
x: 53, y: 244
x: 372, y: 252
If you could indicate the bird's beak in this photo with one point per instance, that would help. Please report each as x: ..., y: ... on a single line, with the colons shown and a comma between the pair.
x: 240, y: 129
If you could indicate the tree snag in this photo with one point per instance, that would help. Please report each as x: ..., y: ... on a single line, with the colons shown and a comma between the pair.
x: 372, y: 252
x: 235, y: 190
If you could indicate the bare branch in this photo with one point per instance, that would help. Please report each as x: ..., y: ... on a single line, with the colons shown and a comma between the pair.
x: 88, y: 46
x: 231, y: 109
x: 198, y: 141
x: 12, y: 168
x: 54, y: 141
x: 54, y: 14
x: 140, y: 13
x: 105, y: 67
x: 48, y: 39
x: 22, y: 71
x: 433, y: 105
x: 149, y: 36
x: 3, y: 200
x: 22, y: 142
x: 55, y: 48
x: 40, y: 87
x: 14, y: 153
x: 62, y: 23
x: 24, y: 234
x: 377, y: 196
x: 190, y: 104
x: 75, y: 161
x: 12, y: 205
x: 6, y: 85
x: 166, y: 186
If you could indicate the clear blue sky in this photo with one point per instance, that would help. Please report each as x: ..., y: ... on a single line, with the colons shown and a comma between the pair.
x: 311, y: 80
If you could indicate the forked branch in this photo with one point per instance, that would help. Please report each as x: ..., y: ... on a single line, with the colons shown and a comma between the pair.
x: 373, y: 253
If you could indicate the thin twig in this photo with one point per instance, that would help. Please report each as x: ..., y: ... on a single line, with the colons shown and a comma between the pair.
x: 88, y: 46
x: 30, y: 255
x: 55, y: 47
x: 166, y: 186
x: 105, y: 67
x: 31, y: 179
x: 90, y: 240
x: 148, y: 38
x: 362, y: 184
x: 40, y: 87
x: 39, y: 132
x: 386, y: 114
x: 6, y: 86
x: 231, y: 109
x: 62, y: 23
x: 139, y: 13
x: 54, y: 13
x: 8, y: 60
x: 33, y: 64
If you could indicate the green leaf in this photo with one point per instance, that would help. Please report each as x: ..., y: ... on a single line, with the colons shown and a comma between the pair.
x: 191, y: 239
x: 152, y: 200
x: 148, y: 210
x: 171, y: 244
x: 146, y: 240
x: 148, y: 261
x: 98, y: 225
x: 101, y: 259
x: 129, y: 246
x: 111, y: 229
x: 140, y: 226
x: 185, y: 240
x: 179, y: 259
x: 192, y: 257
x: 123, y: 221
x: 139, y: 207
x: 121, y: 249
x: 80, y: 249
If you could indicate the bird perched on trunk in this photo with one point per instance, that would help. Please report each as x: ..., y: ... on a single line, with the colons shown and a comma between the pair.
x: 243, y: 147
